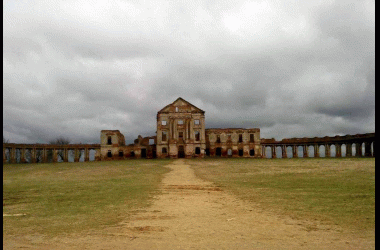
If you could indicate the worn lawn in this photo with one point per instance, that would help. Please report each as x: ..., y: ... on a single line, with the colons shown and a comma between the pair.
x: 58, y: 198
x: 338, y: 191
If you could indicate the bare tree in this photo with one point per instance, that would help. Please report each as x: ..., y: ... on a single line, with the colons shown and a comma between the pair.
x: 59, y: 141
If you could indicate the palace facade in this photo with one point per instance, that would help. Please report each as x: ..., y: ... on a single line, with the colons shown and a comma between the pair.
x: 181, y: 133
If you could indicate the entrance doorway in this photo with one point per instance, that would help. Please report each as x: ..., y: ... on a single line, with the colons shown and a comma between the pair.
x: 181, y: 152
x: 143, y: 153
x: 218, y: 151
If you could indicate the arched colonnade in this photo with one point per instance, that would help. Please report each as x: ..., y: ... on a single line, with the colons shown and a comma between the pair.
x: 361, y: 145
x: 39, y: 153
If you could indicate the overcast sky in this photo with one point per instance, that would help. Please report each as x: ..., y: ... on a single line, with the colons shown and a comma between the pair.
x: 291, y: 68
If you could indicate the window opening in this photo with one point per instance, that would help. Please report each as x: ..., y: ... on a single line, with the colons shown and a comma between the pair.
x: 196, y: 122
x: 229, y: 152
x: 240, y: 138
x: 180, y: 135
x: 197, y: 135
x: 180, y: 122
x: 151, y: 141
x: 176, y: 109
x: 251, y: 152
x: 218, y: 139
x: 251, y: 137
x: 109, y: 154
x: 164, y: 150
x: 163, y: 122
x: 109, y: 140
x: 164, y: 136
x: 121, y: 153
x: 197, y: 150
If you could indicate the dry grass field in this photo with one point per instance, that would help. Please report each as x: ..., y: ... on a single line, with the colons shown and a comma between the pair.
x: 340, y: 191
x: 54, y: 198
x: 208, y: 203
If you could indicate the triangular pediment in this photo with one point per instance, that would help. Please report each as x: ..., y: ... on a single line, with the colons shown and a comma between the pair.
x: 182, y: 105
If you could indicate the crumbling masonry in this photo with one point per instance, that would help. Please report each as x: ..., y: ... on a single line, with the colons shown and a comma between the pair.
x: 181, y: 133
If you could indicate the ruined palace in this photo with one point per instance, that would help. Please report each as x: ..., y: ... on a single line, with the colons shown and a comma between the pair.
x: 182, y: 133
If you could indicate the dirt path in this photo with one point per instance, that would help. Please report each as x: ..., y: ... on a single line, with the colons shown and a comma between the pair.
x: 194, y: 214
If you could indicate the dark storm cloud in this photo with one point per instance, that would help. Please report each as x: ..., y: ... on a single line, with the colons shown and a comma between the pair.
x: 292, y: 69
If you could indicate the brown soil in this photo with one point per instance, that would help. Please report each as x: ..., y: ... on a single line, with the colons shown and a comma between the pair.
x: 195, y: 214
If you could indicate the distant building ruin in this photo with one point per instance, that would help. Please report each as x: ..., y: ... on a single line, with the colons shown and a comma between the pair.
x: 181, y: 133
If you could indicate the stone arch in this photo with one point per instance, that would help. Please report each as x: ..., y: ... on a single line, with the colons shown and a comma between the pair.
x: 289, y: 151
x: 310, y: 151
x: 332, y: 150
x: 322, y: 149
x: 343, y: 149
x: 278, y: 152
x: 268, y: 152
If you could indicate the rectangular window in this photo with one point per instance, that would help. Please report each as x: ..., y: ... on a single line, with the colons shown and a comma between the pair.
x: 121, y: 153
x: 151, y: 141
x: 218, y: 139
x: 240, y: 138
x: 163, y: 122
x: 180, y: 135
x: 109, y: 141
x: 164, y: 136
x: 196, y: 122
x: 197, y: 135
x: 251, y: 137
x: 180, y: 122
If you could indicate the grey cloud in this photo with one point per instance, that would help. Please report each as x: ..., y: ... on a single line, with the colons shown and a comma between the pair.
x: 74, y: 68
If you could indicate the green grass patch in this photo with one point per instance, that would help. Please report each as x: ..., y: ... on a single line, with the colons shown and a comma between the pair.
x: 59, y: 198
x: 338, y: 191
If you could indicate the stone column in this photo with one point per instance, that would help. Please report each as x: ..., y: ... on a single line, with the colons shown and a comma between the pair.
x: 273, y: 152
x: 55, y: 155
x: 348, y: 149
x: 284, y: 153
x: 367, y: 149
x: 295, y: 151
x: 12, y: 155
x: 65, y: 155
x: 359, y: 151
x: 338, y: 150
x: 4, y: 157
x: 76, y: 155
x: 327, y: 150
x: 304, y: 149
x: 44, y: 155
x: 263, y: 151
x: 316, y: 151
x: 86, y: 154
x: 22, y: 158
x: 373, y: 148
x: 33, y: 155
